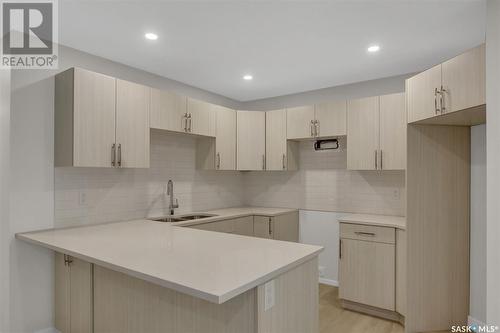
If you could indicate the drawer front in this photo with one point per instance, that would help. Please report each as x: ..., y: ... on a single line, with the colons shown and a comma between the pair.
x: 226, y: 226
x: 368, y: 233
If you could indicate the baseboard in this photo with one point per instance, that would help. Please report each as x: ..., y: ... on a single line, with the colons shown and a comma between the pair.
x: 373, y: 311
x: 48, y: 330
x: 333, y: 283
x: 471, y: 321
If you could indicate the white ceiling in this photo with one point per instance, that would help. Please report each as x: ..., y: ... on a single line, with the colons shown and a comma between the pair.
x: 289, y: 47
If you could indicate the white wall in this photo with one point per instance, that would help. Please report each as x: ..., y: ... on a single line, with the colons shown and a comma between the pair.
x: 4, y: 197
x: 478, y: 224
x: 493, y: 161
x: 322, y: 228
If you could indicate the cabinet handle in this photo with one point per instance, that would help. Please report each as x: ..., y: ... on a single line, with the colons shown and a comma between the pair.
x: 184, y: 120
x: 441, y: 100
x: 113, y: 154
x: 68, y: 260
x: 316, y: 128
x: 284, y: 165
x: 190, y: 122
x: 436, y: 92
x: 270, y: 228
x: 119, y: 155
x: 340, y: 249
x: 263, y: 162
x: 218, y: 161
x: 312, y: 130
x: 376, y: 160
x: 362, y: 233
x: 381, y: 160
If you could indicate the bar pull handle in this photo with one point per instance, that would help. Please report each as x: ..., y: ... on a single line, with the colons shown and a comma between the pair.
x: 119, y: 155
x: 270, y: 228
x: 284, y: 164
x: 312, y: 130
x: 362, y: 233
x: 436, y: 109
x: 263, y: 162
x: 441, y: 94
x: 190, y: 118
x: 184, y: 119
x: 113, y: 154
x: 376, y: 159
x: 381, y: 160
x: 340, y: 249
x: 316, y: 128
x: 218, y: 161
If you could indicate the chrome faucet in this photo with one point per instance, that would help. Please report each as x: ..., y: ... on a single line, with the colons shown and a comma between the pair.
x: 170, y: 192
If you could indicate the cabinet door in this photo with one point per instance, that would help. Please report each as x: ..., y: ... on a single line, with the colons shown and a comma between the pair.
x: 202, y: 117
x: 331, y: 118
x: 62, y: 294
x: 81, y: 296
x: 401, y: 271
x: 367, y: 273
x: 262, y: 226
x: 251, y: 140
x: 94, y: 119
x: 286, y: 227
x: 299, y: 122
x: 276, y: 145
x: 393, y: 132
x: 363, y: 134
x: 464, y: 80
x: 132, y: 124
x: 168, y: 111
x: 225, y: 139
x: 243, y: 226
x: 422, y: 100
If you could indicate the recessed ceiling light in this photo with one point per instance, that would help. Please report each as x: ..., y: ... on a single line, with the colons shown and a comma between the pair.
x: 373, y: 48
x: 247, y: 77
x: 151, y: 36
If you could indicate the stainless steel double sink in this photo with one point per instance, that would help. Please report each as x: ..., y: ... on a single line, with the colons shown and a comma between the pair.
x: 182, y: 218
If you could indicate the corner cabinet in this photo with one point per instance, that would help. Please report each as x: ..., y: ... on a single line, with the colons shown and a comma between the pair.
x: 282, y: 227
x: 281, y: 154
x: 376, y: 133
x: 436, y: 95
x: 168, y: 111
x: 201, y: 117
x: 219, y: 153
x: 100, y: 121
x: 251, y: 140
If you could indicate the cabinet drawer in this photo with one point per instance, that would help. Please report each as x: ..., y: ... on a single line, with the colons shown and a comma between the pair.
x: 368, y: 233
x: 219, y: 226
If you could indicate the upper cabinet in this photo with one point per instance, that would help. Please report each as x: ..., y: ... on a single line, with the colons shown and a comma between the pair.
x: 201, y: 117
x: 94, y: 115
x: 251, y: 140
x: 376, y: 133
x: 281, y: 154
x: 300, y: 122
x: 168, y: 111
x: 314, y: 121
x: 225, y: 139
x: 455, y: 85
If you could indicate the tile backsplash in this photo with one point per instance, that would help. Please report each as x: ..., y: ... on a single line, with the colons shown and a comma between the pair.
x: 324, y: 184
x: 95, y: 195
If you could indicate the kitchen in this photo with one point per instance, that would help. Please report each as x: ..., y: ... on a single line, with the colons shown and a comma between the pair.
x: 217, y: 169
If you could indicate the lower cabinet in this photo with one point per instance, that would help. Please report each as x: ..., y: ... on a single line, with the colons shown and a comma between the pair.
x: 372, y: 269
x: 282, y: 227
x: 73, y: 295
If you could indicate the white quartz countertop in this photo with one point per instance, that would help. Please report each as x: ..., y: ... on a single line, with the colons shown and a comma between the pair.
x: 398, y: 222
x: 233, y: 213
x: 209, y: 265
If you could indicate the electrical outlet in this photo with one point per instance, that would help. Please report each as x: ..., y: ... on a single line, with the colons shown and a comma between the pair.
x: 82, y: 198
x: 268, y: 295
x: 322, y: 271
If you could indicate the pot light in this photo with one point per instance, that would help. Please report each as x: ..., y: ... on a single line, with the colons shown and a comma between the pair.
x: 151, y: 36
x: 247, y: 77
x: 373, y: 48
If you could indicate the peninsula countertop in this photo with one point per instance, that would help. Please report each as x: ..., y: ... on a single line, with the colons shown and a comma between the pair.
x: 209, y: 265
